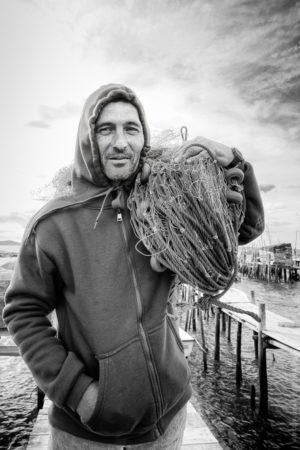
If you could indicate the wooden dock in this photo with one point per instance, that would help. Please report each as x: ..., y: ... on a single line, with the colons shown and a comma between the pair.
x: 270, y: 331
x: 277, y: 330
x: 270, y: 272
x: 197, y: 435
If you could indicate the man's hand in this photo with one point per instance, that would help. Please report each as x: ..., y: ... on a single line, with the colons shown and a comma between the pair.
x: 88, y: 401
x: 221, y: 152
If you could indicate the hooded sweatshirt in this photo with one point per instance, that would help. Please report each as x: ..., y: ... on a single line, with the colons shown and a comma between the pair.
x: 111, y: 307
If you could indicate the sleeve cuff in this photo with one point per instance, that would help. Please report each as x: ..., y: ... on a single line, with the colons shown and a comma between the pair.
x: 78, y: 390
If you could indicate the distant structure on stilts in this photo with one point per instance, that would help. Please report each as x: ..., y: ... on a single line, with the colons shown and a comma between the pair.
x: 270, y: 263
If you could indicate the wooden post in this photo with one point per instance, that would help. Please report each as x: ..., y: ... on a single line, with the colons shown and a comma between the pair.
x: 229, y: 329
x: 187, y: 317
x: 203, y: 339
x: 190, y: 320
x: 223, y: 322
x: 186, y: 294
x: 262, y: 364
x: 254, y: 332
x: 217, y: 335
x: 255, y: 340
x: 40, y: 398
x: 238, y: 355
x: 252, y: 397
x: 194, y: 320
x: 207, y: 313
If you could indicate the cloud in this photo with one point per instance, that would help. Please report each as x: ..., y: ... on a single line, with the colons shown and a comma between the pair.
x: 275, y: 206
x: 266, y: 187
x: 249, y: 49
x: 38, y: 124
x: 49, y: 114
x: 17, y: 218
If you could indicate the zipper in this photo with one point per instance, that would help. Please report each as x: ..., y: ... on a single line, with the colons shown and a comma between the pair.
x: 119, y: 216
x: 144, y: 339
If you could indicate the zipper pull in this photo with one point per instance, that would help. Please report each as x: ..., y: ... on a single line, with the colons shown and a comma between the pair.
x: 119, y: 216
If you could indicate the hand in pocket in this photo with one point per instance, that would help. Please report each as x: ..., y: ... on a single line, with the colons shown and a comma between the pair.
x: 88, y: 401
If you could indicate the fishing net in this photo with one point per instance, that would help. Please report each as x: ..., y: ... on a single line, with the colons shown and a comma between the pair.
x: 187, y: 216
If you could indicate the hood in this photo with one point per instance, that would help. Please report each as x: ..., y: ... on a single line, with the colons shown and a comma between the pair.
x: 88, y: 175
x: 88, y: 178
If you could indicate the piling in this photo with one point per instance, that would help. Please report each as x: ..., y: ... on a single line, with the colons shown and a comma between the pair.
x: 194, y: 320
x: 253, y: 393
x: 187, y: 318
x: 217, y: 335
x: 223, y: 322
x: 203, y: 342
x: 40, y: 398
x: 255, y: 339
x: 262, y: 364
x: 239, y: 355
x: 229, y: 329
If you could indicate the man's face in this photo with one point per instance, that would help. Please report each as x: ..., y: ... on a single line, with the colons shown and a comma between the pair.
x: 120, y: 139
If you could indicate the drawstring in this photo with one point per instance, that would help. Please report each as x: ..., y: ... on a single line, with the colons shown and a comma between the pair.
x: 102, y: 206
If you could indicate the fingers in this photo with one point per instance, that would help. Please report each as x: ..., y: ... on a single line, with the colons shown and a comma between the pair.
x: 202, y: 154
x: 188, y: 151
x: 222, y: 153
x: 191, y: 149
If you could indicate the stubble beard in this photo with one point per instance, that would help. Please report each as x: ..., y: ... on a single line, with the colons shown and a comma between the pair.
x: 122, y: 173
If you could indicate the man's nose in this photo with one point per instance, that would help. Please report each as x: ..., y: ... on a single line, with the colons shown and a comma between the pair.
x: 120, y: 141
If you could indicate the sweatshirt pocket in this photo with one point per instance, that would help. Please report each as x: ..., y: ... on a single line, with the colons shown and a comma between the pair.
x: 172, y: 367
x: 125, y: 400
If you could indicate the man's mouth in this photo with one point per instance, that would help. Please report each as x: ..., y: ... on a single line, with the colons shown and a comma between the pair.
x: 119, y: 157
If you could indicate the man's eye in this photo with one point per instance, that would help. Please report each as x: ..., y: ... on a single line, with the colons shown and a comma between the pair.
x: 132, y: 130
x: 103, y: 131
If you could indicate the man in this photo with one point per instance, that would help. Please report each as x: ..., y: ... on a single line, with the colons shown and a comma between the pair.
x: 115, y: 369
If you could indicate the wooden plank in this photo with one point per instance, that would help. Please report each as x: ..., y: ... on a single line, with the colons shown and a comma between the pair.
x: 39, y: 437
x: 196, y: 433
x: 284, y: 332
x: 282, y: 346
x: 197, y: 436
x: 9, y: 350
x: 38, y: 442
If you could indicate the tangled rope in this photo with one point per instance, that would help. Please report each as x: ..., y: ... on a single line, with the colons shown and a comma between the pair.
x: 181, y: 214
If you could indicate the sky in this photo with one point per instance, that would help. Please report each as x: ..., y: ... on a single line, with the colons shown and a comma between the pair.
x: 229, y: 70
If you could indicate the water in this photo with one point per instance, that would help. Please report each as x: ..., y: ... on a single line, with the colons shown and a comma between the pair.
x: 18, y: 396
x: 9, y: 248
x: 226, y: 408
x: 18, y: 399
